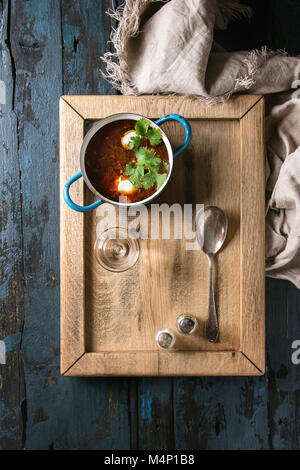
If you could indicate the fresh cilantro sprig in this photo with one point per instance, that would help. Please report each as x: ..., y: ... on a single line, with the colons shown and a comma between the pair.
x: 145, y: 171
x: 142, y: 126
x: 143, y: 129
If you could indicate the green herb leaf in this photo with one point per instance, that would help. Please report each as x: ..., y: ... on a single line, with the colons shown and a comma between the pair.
x: 142, y: 126
x: 166, y: 165
x: 145, y: 171
x: 143, y: 129
x: 154, y: 135
x: 135, y: 142
x: 129, y: 169
x: 149, y: 179
x: 135, y: 174
x: 160, y: 179
x: 141, y: 154
x: 147, y: 158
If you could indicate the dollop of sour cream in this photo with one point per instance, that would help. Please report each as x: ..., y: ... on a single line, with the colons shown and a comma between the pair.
x: 125, y: 186
x: 126, y: 138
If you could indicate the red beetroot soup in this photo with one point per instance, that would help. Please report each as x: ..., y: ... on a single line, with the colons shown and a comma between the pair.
x: 106, y: 159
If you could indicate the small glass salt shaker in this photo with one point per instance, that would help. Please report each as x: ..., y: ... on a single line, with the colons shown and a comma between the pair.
x: 186, y: 324
x: 165, y: 338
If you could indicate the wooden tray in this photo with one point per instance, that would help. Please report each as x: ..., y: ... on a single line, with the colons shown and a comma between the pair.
x: 108, y: 320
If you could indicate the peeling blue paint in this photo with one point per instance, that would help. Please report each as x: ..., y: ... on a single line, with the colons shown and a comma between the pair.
x: 12, y: 341
x: 4, y: 290
x: 146, y: 406
x: 27, y: 161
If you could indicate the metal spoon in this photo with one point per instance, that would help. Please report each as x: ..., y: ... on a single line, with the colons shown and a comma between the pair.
x: 211, y: 230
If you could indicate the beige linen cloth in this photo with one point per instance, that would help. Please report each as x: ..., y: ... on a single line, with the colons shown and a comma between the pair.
x: 168, y: 47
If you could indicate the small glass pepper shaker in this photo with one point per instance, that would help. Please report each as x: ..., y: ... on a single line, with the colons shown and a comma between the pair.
x: 186, y: 324
x: 165, y: 338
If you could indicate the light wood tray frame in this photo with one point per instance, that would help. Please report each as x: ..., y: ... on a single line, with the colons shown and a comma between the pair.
x: 230, y: 143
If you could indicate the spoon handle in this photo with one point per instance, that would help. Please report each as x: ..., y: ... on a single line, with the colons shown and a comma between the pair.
x: 211, y: 329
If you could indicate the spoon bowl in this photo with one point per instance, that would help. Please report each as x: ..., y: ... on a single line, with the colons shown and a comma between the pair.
x: 211, y: 229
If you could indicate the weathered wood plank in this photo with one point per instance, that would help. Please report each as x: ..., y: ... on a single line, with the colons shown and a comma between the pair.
x: 36, y: 48
x: 220, y: 413
x: 154, y: 363
x: 283, y: 323
x: 253, y: 235
x: 85, y: 29
x: 293, y: 377
x: 12, y: 394
x: 155, y: 418
x: 72, y: 277
x: 235, y: 108
x: 133, y: 412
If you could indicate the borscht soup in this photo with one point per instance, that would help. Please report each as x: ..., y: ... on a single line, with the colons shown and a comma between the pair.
x: 127, y: 158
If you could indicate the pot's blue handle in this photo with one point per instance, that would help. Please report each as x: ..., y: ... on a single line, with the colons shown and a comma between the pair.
x: 72, y: 204
x: 187, y: 128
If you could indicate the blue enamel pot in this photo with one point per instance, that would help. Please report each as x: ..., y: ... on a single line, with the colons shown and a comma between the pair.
x: 116, y: 117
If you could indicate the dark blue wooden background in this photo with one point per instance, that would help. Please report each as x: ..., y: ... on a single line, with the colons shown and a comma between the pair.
x: 49, y: 48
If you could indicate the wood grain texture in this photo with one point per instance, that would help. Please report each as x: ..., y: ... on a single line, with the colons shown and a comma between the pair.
x: 35, y: 47
x: 12, y: 283
x: 72, y: 262
x: 179, y: 278
x: 217, y: 413
x: 90, y: 106
x: 155, y: 413
x: 155, y: 363
x: 85, y: 33
x: 283, y: 308
x: 124, y: 310
x: 253, y: 235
